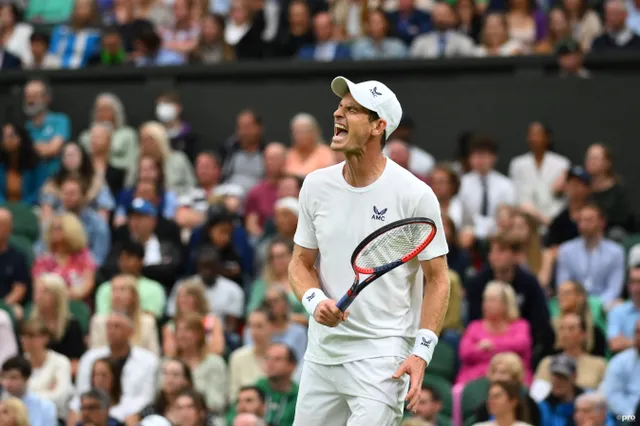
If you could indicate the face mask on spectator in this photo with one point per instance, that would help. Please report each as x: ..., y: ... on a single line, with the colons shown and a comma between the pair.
x: 166, y: 112
x: 32, y: 110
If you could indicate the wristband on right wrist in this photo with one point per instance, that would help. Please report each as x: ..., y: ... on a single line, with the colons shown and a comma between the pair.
x: 311, y: 299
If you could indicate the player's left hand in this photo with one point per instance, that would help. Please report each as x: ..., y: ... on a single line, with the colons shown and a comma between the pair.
x: 414, y: 366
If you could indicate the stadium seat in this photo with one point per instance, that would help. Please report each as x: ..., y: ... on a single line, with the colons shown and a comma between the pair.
x: 470, y: 421
x: 443, y: 362
x: 25, y: 221
x: 82, y: 313
x: 443, y: 420
x: 443, y: 387
x: 595, y: 306
x: 24, y: 246
x: 630, y: 241
x: 473, y: 395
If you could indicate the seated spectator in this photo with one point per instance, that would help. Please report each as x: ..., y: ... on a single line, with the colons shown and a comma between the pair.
x: 445, y: 41
x: 155, y: 11
x: 51, y: 307
x: 125, y: 298
x: 21, y: 171
x: 15, y: 282
x: 151, y: 293
x: 409, y: 22
x: 120, y: 15
x: 559, y: 29
x: 48, y: 11
x: 192, y: 409
x: 295, y: 32
x: 420, y: 161
x: 590, y: 369
x: 123, y: 148
x: 66, y: 254
x: 50, y: 371
x: 622, y: 319
x: 138, y: 367
x: 14, y: 412
x: 429, y: 405
x: 181, y: 37
x: 558, y: 407
x: 495, y: 39
x: 9, y: 61
x: 505, y: 404
x: 278, y: 387
x: 591, y: 410
x: 250, y: 402
x: 111, y: 52
x: 48, y: 144
x: 584, y: 21
x: 398, y: 151
x: 326, y: 48
x: 470, y: 19
x: 13, y: 33
x: 245, y: 363
x: 285, y: 218
x: 592, y: 259
x: 445, y: 184
x: 41, y: 58
x: 571, y: 60
x: 190, y: 298
x: 148, y: 50
x: 76, y: 43
x: 113, y: 177
x: 524, y: 233
x: 181, y: 136
x: 525, y: 24
x: 243, y: 30
x: 15, y: 375
x: 617, y: 35
x: 308, y: 151
x: 212, y: 48
x: 620, y: 385
x: 94, y: 408
x: 378, y: 44
x: 105, y: 377
x: 350, y: 17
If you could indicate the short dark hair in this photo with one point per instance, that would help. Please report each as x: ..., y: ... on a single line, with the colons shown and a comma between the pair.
x: 76, y: 178
x: 132, y: 248
x: 483, y: 144
x: 291, y: 355
x: 257, y: 390
x: 111, y: 30
x: 40, y: 36
x: 147, y: 35
x: 171, y: 95
x: 594, y: 206
x: 17, y: 363
x: 213, y: 155
x: 252, y: 112
x: 435, y: 395
x: 98, y: 395
x: 505, y: 242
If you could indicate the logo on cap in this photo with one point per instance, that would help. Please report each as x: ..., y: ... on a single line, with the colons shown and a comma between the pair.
x: 374, y: 92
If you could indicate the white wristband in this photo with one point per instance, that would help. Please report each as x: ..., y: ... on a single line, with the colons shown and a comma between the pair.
x: 426, y: 341
x: 311, y: 298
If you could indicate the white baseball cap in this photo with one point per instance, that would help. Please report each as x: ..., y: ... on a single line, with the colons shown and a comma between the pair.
x: 374, y: 96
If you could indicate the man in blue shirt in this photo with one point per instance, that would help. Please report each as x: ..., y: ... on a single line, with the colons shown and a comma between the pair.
x: 621, y: 385
x: 622, y: 318
x: 49, y: 130
x: 15, y: 374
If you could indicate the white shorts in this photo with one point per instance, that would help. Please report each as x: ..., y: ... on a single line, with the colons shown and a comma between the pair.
x: 359, y: 393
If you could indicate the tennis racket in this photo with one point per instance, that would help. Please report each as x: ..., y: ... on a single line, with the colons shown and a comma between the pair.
x: 385, y: 249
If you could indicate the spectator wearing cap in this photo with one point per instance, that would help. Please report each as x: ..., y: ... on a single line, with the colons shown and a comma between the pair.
x: 326, y: 48
x: 148, y: 50
x: 446, y: 40
x: 40, y: 57
x: 378, y: 43
x: 94, y: 409
x: 621, y: 385
x: 571, y: 59
x: 591, y: 410
x: 622, y: 319
x: 558, y: 407
x: 74, y: 44
x: 409, y: 22
x: 285, y: 217
x: 591, y: 259
x: 617, y: 35
x: 111, y: 52
x: 169, y: 111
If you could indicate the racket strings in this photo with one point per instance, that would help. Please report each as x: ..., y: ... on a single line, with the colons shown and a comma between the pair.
x: 393, y: 245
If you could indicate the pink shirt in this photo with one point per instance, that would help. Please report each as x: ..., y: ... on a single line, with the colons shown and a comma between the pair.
x: 320, y: 157
x: 475, y: 361
x: 72, y: 272
x: 261, y: 200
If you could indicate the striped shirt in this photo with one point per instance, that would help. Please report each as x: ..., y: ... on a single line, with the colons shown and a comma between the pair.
x: 74, y: 48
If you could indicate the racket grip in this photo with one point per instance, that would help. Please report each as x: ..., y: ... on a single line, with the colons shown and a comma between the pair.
x: 345, y: 302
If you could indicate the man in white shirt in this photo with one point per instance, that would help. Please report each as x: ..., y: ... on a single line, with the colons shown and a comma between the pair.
x: 355, y: 362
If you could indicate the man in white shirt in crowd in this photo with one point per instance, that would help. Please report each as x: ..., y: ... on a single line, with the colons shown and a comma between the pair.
x: 446, y: 40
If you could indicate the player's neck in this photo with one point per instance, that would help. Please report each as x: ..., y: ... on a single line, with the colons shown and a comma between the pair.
x: 363, y: 169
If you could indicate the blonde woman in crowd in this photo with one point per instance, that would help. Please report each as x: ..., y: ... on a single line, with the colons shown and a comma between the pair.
x: 13, y: 413
x: 308, y: 151
x: 67, y: 255
x: 125, y: 297
x: 506, y: 405
x: 191, y: 298
x: 524, y: 231
x: 51, y: 307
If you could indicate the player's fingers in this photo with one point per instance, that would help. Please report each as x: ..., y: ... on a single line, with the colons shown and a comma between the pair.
x: 346, y: 315
x: 414, y: 391
x: 400, y: 371
x: 333, y: 310
x: 415, y: 399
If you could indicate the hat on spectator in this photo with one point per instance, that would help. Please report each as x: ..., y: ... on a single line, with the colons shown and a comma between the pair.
x: 143, y: 207
x: 563, y: 365
x: 578, y: 172
x: 289, y: 203
x: 634, y: 256
x: 567, y: 47
x: 374, y: 96
x: 154, y: 420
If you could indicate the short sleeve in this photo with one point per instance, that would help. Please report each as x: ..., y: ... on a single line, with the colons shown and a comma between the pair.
x: 306, y: 232
x: 63, y: 127
x: 429, y: 207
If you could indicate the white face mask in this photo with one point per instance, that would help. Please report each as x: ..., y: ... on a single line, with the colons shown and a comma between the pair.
x: 166, y: 112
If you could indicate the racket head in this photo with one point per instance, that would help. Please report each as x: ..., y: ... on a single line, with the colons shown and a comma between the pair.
x: 393, y: 245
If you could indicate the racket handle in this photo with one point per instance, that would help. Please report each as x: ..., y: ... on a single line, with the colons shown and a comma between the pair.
x: 345, y: 302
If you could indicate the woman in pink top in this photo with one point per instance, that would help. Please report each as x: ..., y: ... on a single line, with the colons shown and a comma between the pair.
x: 308, y: 152
x: 68, y: 256
x: 500, y: 330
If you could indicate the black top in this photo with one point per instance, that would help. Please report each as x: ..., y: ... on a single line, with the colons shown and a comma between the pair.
x: 606, y: 43
x: 13, y: 270
x: 616, y: 206
x: 562, y: 229
x: 72, y: 343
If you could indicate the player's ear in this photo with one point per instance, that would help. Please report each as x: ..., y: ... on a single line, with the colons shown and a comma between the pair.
x: 379, y: 127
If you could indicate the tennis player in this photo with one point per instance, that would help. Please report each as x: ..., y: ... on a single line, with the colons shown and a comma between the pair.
x: 361, y: 366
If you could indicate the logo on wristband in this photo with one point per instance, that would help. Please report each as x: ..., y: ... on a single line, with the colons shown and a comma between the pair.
x: 310, y: 297
x: 426, y: 343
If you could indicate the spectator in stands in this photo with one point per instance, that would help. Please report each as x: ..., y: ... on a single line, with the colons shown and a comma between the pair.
x: 14, y: 34
x: 15, y: 375
x: 559, y: 406
x: 76, y: 43
x: 250, y: 401
x: 66, y: 253
x: 446, y: 40
x: 51, y: 372
x: 13, y: 412
x: 308, y: 151
x: 138, y: 366
x: 326, y: 47
x: 182, y: 36
x: 9, y: 61
x: 94, y: 408
x: 584, y: 21
x: 51, y: 307
x: 524, y: 233
x: 621, y: 386
x: 506, y: 405
x: 495, y: 38
x: 378, y: 44
x: 246, y: 364
x: 101, y: 135
x: 106, y: 376
x: 49, y: 11
x: 48, y: 130
x: 130, y: 264
x: 571, y: 59
x: 607, y: 188
x: 559, y: 29
x: 123, y: 148
x: 591, y: 410
x: 592, y: 259
x: 40, y: 57
x: 112, y: 51
x: 446, y: 184
x: 15, y: 281
x: 148, y: 50
x: 469, y: 19
x: 212, y: 48
x: 350, y: 17
x: 617, y: 36
x: 572, y: 336
x: 192, y: 409
x: 525, y: 24
x: 430, y: 404
x: 622, y: 319
x: 125, y: 298
x: 398, y: 152
x: 242, y: 155
x: 193, y: 206
x: 295, y: 32
x: 409, y: 22
x: 155, y: 11
x: 243, y: 30
x: 285, y: 217
x: 483, y: 189
x: 420, y: 161
x: 633, y: 21
x: 169, y: 113
x: 278, y: 387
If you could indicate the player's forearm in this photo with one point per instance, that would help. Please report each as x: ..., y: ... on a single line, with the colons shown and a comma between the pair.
x: 302, y: 277
x: 435, y: 303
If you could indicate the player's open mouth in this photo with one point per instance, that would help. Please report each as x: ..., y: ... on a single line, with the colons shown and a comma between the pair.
x: 340, y: 131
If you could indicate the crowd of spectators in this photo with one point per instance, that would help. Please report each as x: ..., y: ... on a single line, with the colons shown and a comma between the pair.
x: 143, y: 279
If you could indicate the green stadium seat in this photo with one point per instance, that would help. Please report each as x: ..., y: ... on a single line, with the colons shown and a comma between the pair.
x: 443, y: 387
x: 470, y: 421
x: 630, y: 241
x: 25, y: 221
x: 473, y: 395
x: 82, y: 313
x: 443, y: 362
x: 24, y: 246
x: 442, y: 420
x: 595, y: 307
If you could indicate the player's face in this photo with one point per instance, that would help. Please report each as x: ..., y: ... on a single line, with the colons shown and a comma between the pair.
x: 352, y: 128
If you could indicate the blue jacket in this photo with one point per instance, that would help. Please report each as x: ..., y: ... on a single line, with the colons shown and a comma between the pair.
x: 556, y: 413
x: 342, y: 52
x: 32, y: 180
x: 417, y: 23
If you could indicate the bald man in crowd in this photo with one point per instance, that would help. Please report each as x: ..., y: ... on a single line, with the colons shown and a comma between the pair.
x: 399, y: 152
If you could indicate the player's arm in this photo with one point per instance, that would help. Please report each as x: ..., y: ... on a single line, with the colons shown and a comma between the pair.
x: 436, y: 295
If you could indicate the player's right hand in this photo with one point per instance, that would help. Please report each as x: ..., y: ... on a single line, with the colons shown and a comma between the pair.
x: 328, y: 314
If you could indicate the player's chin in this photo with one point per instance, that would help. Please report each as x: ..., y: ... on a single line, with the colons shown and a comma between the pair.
x: 339, y: 143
